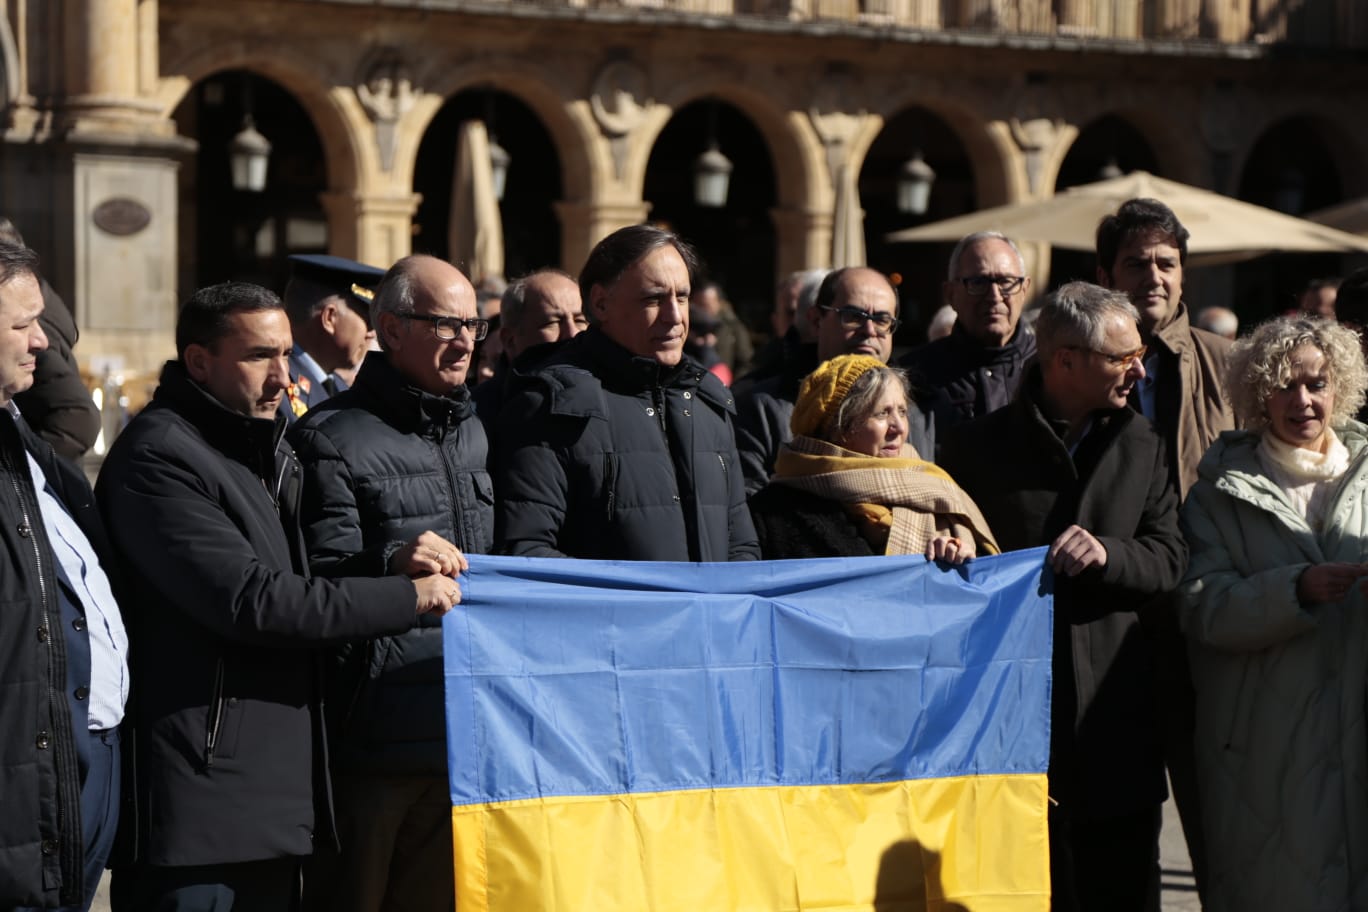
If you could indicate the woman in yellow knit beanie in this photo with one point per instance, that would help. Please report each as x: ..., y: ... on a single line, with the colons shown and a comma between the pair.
x: 850, y: 484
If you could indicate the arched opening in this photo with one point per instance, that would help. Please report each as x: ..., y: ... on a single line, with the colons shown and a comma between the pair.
x: 1292, y: 169
x: 953, y: 192
x: 737, y: 239
x: 531, y: 228
x: 237, y: 234
x: 1107, y: 147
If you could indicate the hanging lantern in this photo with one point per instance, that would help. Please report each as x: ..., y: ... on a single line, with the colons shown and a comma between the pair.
x: 914, y: 185
x: 712, y: 177
x: 249, y: 153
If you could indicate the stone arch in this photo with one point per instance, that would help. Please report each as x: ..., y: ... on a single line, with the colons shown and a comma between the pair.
x: 1343, y: 141
x: 580, y: 157
x: 346, y: 150
x: 799, y: 169
x: 988, y: 154
x: 1176, y: 156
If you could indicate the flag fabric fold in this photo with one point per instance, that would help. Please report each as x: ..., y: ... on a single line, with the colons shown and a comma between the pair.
x: 862, y: 733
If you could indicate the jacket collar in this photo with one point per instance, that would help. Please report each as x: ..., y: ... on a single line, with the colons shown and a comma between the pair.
x: 971, y: 351
x: 1232, y: 466
x: 1176, y: 334
x: 251, y: 441
x: 1107, y: 421
x: 620, y: 370
x: 617, y: 370
x: 404, y: 405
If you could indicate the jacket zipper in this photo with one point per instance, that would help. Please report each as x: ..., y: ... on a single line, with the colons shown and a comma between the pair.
x: 211, y: 734
x: 658, y: 396
x: 459, y: 513
x: 610, y: 482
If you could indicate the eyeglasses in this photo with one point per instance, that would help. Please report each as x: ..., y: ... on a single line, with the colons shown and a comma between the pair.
x: 1125, y: 359
x: 854, y: 318
x: 980, y: 285
x: 448, y: 328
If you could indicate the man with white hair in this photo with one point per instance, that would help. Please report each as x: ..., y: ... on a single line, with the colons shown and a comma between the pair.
x: 977, y: 368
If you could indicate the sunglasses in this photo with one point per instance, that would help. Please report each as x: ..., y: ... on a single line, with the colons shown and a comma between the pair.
x: 854, y: 318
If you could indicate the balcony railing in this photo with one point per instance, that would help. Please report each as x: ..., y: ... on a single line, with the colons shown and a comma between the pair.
x: 1305, y: 23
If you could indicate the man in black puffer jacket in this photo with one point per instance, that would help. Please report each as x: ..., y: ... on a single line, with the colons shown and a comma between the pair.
x: 200, y: 495
x: 399, y: 457
x: 622, y: 447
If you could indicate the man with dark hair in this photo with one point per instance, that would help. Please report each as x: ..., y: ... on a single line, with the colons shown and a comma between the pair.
x: 58, y: 406
x: 64, y: 675
x: 538, y: 312
x: 1087, y: 477
x: 621, y: 446
x: 201, y: 494
x: 978, y: 367
x: 855, y: 312
x: 328, y: 303
x: 397, y: 457
x: 1141, y: 251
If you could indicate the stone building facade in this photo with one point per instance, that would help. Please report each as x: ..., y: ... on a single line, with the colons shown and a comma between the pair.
x: 95, y: 157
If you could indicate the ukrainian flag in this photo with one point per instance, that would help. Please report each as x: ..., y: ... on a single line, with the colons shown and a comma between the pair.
x: 853, y: 734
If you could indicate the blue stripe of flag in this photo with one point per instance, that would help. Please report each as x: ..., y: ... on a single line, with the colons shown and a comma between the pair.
x: 593, y: 677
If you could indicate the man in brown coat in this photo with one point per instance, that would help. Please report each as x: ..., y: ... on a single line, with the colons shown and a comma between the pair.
x: 1141, y: 251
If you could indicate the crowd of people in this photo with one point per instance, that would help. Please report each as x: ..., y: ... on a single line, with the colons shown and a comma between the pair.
x: 229, y: 653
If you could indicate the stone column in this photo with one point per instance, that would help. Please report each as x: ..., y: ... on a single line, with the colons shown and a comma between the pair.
x: 585, y: 224
x: 371, y: 228
x: 102, y: 66
x: 94, y: 185
x: 802, y: 239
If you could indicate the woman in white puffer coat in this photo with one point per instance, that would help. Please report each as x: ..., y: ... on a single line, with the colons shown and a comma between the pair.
x: 1277, y: 620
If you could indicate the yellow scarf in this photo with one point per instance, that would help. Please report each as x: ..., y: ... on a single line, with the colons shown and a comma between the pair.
x: 900, y: 503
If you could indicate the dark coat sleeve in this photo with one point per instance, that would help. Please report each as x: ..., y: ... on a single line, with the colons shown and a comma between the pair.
x: 533, y: 489
x: 331, y: 518
x: 174, y: 533
x: 760, y: 431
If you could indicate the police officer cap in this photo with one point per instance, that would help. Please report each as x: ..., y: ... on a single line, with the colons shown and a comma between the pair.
x: 352, y: 280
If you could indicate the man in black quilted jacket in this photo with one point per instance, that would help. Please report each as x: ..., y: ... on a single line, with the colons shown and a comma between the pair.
x: 395, y: 473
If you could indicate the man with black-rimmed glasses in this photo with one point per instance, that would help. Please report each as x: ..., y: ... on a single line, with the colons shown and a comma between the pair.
x: 855, y: 313
x: 978, y: 367
x: 395, y: 483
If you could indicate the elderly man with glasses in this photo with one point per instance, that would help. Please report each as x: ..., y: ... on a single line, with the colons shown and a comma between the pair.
x: 978, y: 367
x: 855, y: 313
x: 395, y: 483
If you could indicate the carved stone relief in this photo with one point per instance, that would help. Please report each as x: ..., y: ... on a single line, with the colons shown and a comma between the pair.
x: 618, y: 99
x: 385, y: 89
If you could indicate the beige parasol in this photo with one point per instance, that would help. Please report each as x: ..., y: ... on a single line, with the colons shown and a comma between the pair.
x: 847, y: 224
x: 475, y: 232
x: 1223, y: 229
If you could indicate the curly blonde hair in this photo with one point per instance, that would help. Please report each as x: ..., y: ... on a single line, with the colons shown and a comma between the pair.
x: 1261, y: 362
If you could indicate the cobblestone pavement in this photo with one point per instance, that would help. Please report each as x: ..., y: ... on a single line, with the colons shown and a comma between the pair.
x: 1179, y: 891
